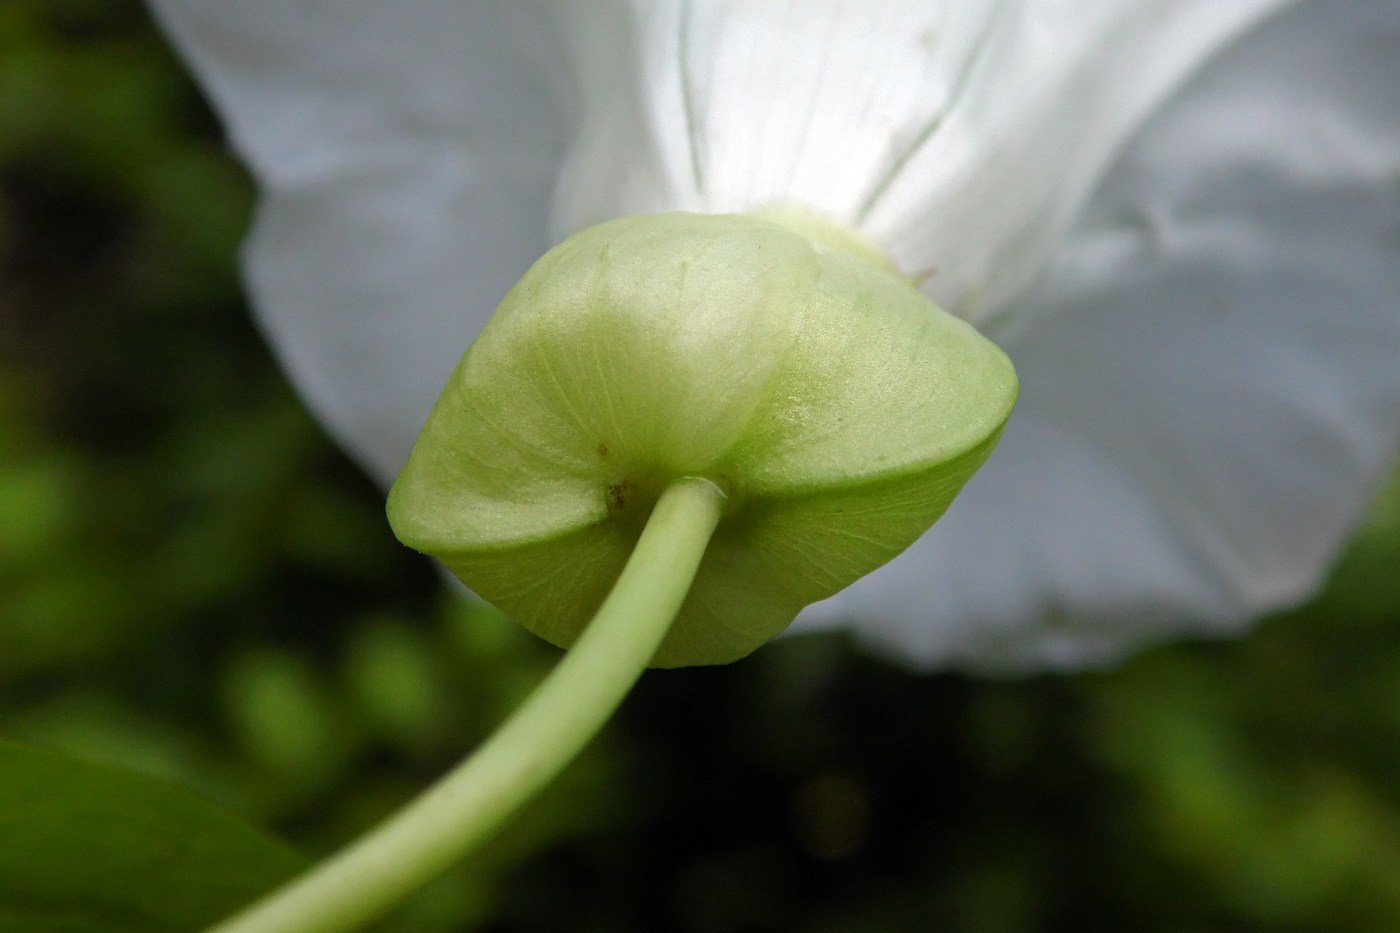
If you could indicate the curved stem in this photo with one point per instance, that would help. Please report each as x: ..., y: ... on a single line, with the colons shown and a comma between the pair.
x: 470, y: 803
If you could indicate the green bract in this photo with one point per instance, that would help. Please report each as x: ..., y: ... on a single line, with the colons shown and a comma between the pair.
x: 838, y: 409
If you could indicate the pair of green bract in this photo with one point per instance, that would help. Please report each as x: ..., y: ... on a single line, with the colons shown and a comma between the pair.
x: 834, y: 406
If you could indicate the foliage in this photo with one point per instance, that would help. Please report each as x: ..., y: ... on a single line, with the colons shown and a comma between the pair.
x: 87, y: 847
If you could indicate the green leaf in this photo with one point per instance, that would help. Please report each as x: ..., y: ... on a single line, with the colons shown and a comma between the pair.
x: 836, y: 406
x: 87, y: 848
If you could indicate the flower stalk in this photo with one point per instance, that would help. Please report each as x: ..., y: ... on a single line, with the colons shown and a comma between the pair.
x: 467, y: 807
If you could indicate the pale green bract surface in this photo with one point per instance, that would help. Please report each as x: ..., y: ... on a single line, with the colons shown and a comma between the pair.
x: 839, y: 410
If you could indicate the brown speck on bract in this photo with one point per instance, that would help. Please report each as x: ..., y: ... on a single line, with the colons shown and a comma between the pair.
x: 617, y: 492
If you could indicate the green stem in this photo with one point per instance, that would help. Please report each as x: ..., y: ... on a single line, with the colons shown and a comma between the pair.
x: 469, y: 804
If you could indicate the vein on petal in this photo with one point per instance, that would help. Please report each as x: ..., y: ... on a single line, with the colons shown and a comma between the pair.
x: 931, y: 127
x: 688, y: 95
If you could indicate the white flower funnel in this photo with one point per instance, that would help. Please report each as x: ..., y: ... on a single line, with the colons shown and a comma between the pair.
x: 1176, y: 216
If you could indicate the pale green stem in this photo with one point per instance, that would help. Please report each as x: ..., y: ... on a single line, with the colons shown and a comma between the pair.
x: 466, y: 807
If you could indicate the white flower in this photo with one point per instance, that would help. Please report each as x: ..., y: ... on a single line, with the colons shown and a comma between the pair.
x: 1181, y: 218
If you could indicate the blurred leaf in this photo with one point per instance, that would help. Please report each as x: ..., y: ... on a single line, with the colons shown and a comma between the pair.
x: 91, y: 848
x: 286, y: 719
x: 400, y: 687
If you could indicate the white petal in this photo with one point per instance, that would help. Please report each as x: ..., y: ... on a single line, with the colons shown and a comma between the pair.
x: 961, y: 134
x: 1210, y: 388
x: 407, y: 153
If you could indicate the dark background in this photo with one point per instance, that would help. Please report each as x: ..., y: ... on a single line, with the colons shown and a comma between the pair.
x: 195, y: 584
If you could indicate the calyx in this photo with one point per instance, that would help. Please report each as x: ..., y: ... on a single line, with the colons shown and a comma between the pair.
x: 838, y: 409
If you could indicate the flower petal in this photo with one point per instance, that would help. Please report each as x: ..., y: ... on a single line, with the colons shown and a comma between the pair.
x: 407, y: 154
x: 1210, y: 392
x: 1209, y: 381
x: 961, y: 134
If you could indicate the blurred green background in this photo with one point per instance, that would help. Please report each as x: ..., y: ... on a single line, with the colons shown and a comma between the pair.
x: 195, y: 584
